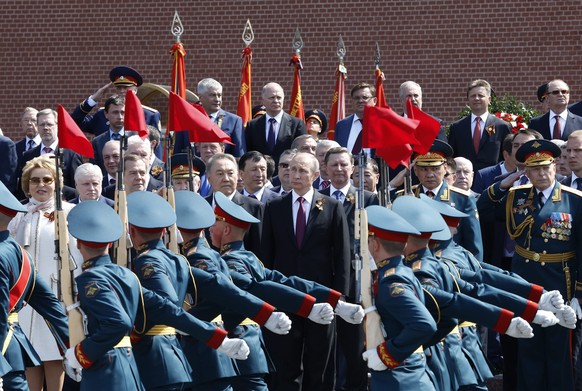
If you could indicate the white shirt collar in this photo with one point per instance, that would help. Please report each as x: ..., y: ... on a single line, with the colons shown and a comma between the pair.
x: 344, y: 189
x: 307, y: 196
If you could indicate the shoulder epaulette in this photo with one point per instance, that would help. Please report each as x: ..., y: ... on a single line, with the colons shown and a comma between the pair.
x: 149, y: 108
x: 389, y: 272
x: 526, y: 186
x: 416, y: 265
x: 459, y: 190
x: 569, y: 189
x: 401, y: 192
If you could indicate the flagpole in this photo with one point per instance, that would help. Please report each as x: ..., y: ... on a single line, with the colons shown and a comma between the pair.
x: 297, y: 109
x: 338, y: 105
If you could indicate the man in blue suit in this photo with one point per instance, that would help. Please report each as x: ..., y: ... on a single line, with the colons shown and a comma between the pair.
x: 558, y: 122
x: 478, y: 136
x: 210, y: 95
x: 88, y: 180
x: 348, y: 131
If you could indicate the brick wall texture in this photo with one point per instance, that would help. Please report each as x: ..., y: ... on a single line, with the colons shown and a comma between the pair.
x: 59, y: 52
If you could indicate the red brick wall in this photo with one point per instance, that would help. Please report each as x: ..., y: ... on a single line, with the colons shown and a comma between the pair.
x: 60, y: 51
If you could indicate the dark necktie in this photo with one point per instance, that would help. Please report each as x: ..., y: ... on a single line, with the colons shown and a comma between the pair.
x: 358, y: 144
x: 430, y: 194
x: 300, y: 222
x: 253, y: 196
x: 115, y: 136
x: 477, y: 134
x: 47, y: 150
x: 31, y: 144
x: 557, y: 133
x: 324, y: 184
x: 271, y: 139
x: 578, y: 183
x: 112, y: 181
x: 540, y: 199
x: 337, y: 194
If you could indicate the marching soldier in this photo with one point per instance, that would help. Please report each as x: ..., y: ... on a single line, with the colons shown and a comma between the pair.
x: 543, y: 218
x: 113, y: 301
x: 21, y: 286
x: 228, y: 233
x: 398, y: 363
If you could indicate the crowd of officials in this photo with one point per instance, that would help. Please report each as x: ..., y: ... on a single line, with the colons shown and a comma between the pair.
x: 474, y: 251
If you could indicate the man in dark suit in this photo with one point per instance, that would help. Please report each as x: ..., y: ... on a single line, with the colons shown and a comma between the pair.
x: 306, y: 234
x: 123, y: 78
x: 412, y: 90
x: 273, y: 132
x: 558, y: 122
x: 350, y: 337
x: 253, y: 172
x: 284, y: 173
x: 31, y: 137
x: 115, y: 113
x: 478, y: 137
x: 210, y: 95
x: 222, y: 174
x: 48, y: 130
x: 574, y: 155
x: 348, y: 131
x: 8, y: 163
x: 111, y: 155
x: 484, y: 177
x: 143, y: 149
x: 135, y: 177
x: 323, y: 181
x: 88, y: 180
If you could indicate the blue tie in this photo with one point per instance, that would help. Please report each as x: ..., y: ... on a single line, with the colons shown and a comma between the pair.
x: 337, y: 194
x: 205, y: 188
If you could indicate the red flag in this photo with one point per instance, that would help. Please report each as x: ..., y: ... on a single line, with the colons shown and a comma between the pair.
x: 71, y: 137
x: 178, y: 71
x: 182, y: 116
x: 427, y: 129
x: 380, y: 96
x: 134, y: 118
x: 296, y: 109
x: 338, y: 104
x: 396, y: 155
x: 244, y: 108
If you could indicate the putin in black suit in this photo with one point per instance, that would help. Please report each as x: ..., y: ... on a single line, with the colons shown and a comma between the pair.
x: 306, y: 234
x: 273, y: 132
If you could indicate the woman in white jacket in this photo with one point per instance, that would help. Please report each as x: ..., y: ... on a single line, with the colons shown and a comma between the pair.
x: 35, y: 231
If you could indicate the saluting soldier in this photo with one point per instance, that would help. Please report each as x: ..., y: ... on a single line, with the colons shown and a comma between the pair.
x: 228, y: 233
x: 430, y: 170
x: 215, y: 294
x: 543, y: 218
x: 20, y: 285
x: 398, y: 363
x: 113, y: 301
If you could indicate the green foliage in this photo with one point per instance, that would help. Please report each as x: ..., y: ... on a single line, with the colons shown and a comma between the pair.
x: 507, y: 104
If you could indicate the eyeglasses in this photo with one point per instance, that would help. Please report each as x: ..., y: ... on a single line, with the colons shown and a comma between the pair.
x: 47, y: 180
x: 284, y: 165
x: 361, y: 98
x: 558, y: 92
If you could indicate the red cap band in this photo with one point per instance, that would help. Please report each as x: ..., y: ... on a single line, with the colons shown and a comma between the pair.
x: 229, y: 219
x: 388, y: 235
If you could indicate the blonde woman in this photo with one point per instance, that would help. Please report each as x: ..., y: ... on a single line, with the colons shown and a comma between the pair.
x: 35, y: 231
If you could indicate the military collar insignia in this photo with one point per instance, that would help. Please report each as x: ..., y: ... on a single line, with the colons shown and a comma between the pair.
x: 387, y: 261
x: 141, y: 247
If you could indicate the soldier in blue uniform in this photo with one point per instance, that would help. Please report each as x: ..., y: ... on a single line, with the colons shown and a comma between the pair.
x: 430, y: 170
x: 114, y: 301
x: 21, y: 286
x: 215, y: 294
x: 398, y: 363
x: 123, y: 78
x: 227, y: 233
x: 433, y: 272
x: 543, y: 218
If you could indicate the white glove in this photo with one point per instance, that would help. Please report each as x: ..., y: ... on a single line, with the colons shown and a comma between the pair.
x: 321, y: 313
x: 545, y: 318
x: 279, y: 323
x: 72, y: 367
x: 1, y: 384
x: 519, y: 328
x: 551, y: 301
x: 234, y: 348
x: 575, y: 304
x: 351, y: 313
x: 373, y: 360
x: 567, y: 317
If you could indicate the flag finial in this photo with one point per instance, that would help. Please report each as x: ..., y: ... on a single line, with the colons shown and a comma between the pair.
x: 297, y: 43
x: 177, y: 27
x: 341, y: 49
x: 248, y: 36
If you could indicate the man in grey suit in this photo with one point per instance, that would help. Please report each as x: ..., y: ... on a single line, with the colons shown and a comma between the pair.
x: 274, y: 132
x: 558, y: 122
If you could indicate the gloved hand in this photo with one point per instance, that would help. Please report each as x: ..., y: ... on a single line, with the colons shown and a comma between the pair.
x: 551, y: 301
x: 234, y: 348
x: 279, y: 323
x: 519, y: 328
x: 321, y: 313
x: 567, y: 317
x: 1, y: 384
x: 373, y: 360
x: 575, y: 304
x: 351, y: 313
x: 72, y: 367
x: 545, y: 318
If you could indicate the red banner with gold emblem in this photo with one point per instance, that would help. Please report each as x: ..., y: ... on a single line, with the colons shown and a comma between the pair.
x: 244, y: 107
x: 296, y: 108
x: 338, y: 104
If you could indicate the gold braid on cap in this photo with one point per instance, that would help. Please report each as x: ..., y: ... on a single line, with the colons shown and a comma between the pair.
x: 430, y: 157
x: 539, y: 157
